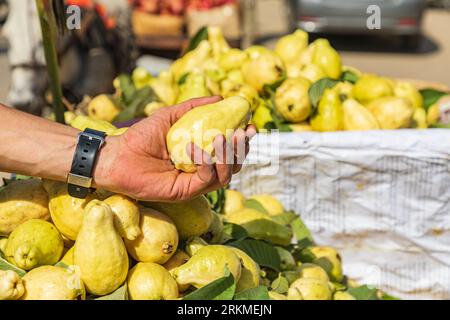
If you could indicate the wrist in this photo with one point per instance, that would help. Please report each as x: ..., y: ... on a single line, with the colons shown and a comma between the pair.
x: 103, y: 169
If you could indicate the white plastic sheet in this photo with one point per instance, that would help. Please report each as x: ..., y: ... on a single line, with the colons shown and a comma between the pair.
x: 382, y: 198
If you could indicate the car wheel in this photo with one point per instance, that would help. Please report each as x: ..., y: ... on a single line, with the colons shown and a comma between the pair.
x: 410, y: 41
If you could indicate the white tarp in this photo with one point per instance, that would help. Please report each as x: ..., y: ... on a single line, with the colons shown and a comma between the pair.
x: 382, y: 198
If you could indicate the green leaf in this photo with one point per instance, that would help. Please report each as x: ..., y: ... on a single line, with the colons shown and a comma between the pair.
x: 291, y: 276
x: 263, y: 253
x: 127, y: 87
x: 317, y: 89
x: 270, y: 89
x: 286, y: 218
x: 440, y: 126
x: 62, y: 265
x: 431, y: 96
x: 259, y: 293
x: 349, y: 76
x: 233, y: 232
x: 220, y: 289
x: 217, y: 200
x: 256, y: 205
x: 136, y: 109
x: 339, y: 286
x: 5, y: 266
x: 301, y: 231
x: 119, y: 294
x: 385, y: 296
x: 183, y: 79
x: 268, y: 230
x: 201, y: 35
x: 363, y: 293
x: 280, y: 285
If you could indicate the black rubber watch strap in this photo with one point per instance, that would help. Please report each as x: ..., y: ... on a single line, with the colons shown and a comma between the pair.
x: 89, y: 144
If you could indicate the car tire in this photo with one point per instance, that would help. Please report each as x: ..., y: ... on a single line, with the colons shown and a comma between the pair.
x: 410, y: 41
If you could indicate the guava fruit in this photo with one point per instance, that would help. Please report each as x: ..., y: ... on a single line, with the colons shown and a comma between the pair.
x: 126, y: 216
x: 327, y: 58
x: 34, y: 243
x: 193, y: 87
x: 433, y: 114
x: 219, y: 45
x: 99, y: 252
x: 272, y: 205
x: 408, y: 91
x: 67, y: 259
x: 66, y: 212
x: 245, y: 215
x: 310, y: 289
x: 141, y: 77
x: 343, y: 295
x: 345, y: 90
x: 290, y: 47
x: 357, y: 117
x: 370, y: 87
x: 152, y: 107
x: 165, y: 88
x: 292, y: 100
x: 192, y: 218
x: 103, y: 108
x: 150, y: 281
x: 232, y: 59
x: 11, y: 286
x: 276, y: 296
x: 245, y: 91
x: 53, y: 283
x: 262, y: 116
x: 191, y: 61
x: 330, y: 260
x: 310, y: 72
x: 201, y: 126
x: 208, y: 264
x: 234, y: 200
x: 21, y: 201
x: 250, y: 272
x: 287, y: 260
x: 420, y: 118
x: 83, y: 122
x: 391, y: 112
x: 330, y: 114
x: 214, y: 234
x: 178, y: 259
x: 263, y: 67
x: 158, y: 241
x: 3, y: 242
x: 313, y: 271
x: 301, y: 127
x: 194, y: 244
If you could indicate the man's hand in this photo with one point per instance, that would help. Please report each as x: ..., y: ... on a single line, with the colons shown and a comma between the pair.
x: 138, y: 164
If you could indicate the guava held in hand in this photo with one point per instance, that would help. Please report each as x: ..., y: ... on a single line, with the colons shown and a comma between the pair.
x: 202, y: 125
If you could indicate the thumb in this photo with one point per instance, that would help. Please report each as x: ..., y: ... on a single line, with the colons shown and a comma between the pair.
x: 177, y: 111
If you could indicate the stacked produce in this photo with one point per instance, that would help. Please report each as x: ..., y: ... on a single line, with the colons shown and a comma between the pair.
x: 112, y: 247
x: 299, y: 86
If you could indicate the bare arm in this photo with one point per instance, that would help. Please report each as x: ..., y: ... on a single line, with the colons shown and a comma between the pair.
x: 136, y: 164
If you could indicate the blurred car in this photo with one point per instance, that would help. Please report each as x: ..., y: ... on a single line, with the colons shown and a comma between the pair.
x: 398, y: 17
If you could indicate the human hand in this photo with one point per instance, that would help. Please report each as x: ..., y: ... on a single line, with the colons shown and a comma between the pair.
x: 138, y: 164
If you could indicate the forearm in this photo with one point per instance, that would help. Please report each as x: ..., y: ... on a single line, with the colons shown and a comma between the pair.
x: 34, y: 146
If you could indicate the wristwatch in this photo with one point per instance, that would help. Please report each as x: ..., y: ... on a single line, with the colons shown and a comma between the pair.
x: 80, y: 177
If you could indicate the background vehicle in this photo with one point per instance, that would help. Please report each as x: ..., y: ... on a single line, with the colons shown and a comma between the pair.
x: 401, y: 18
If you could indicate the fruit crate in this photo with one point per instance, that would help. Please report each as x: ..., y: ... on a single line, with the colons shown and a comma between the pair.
x: 380, y: 197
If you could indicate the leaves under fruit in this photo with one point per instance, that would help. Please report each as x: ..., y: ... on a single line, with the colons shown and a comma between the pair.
x: 259, y: 293
x: 263, y: 253
x: 220, y: 289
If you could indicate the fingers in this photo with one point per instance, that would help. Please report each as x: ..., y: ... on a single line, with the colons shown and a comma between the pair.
x: 241, y: 146
x: 224, y: 160
x: 177, y: 111
x: 205, y: 175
